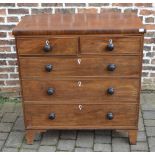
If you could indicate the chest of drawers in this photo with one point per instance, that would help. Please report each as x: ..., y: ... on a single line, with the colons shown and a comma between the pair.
x: 80, y: 71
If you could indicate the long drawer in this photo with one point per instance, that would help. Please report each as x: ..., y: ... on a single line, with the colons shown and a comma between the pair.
x: 62, y: 67
x: 85, y: 115
x: 87, y: 91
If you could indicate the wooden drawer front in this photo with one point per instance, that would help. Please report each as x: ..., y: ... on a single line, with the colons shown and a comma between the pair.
x: 98, y: 45
x: 35, y: 67
x: 87, y: 91
x: 60, y: 46
x: 80, y: 115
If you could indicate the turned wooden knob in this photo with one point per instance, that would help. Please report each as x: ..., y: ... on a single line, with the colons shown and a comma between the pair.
x: 110, y: 116
x: 50, y: 91
x: 110, y: 91
x: 48, y: 67
x: 52, y: 116
x: 111, y: 67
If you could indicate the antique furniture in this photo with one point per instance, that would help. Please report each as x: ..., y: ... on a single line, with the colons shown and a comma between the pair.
x: 80, y: 71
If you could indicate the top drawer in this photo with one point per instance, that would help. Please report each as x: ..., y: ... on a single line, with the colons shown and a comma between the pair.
x: 110, y: 45
x: 47, y: 46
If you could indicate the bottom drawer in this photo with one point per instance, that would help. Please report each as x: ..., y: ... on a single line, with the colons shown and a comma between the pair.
x: 86, y: 115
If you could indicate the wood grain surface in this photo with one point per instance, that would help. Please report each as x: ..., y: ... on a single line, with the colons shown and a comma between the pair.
x: 79, y: 76
x: 118, y: 23
x: 98, y: 44
x: 90, y: 91
x: 89, y: 115
x: 34, y: 67
x: 60, y: 45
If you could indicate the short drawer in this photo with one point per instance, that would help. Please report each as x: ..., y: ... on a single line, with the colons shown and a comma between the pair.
x: 82, y: 115
x: 87, y: 91
x: 110, y: 45
x: 47, y: 68
x: 47, y: 46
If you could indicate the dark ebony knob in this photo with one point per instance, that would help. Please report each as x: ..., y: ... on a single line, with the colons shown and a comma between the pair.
x: 47, y: 46
x: 110, y: 116
x: 52, y: 116
x: 50, y: 91
x: 110, y: 91
x: 110, y: 45
x: 111, y: 67
x: 48, y: 67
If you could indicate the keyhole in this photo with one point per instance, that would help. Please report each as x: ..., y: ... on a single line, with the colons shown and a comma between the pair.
x: 47, y: 42
x: 79, y: 83
x: 79, y: 61
x: 80, y: 107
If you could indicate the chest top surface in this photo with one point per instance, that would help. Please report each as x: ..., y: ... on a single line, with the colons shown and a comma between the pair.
x: 104, y: 23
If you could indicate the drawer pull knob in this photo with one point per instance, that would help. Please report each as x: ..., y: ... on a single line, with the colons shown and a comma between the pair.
x: 110, y: 45
x: 47, y: 46
x: 110, y: 116
x: 50, y: 91
x: 110, y: 91
x: 52, y: 116
x: 111, y: 67
x: 48, y: 67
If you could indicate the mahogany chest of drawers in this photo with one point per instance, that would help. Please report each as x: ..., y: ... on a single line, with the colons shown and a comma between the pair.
x: 80, y: 71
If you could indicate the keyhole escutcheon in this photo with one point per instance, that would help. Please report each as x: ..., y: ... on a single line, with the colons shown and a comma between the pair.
x: 79, y: 61
x: 80, y: 107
